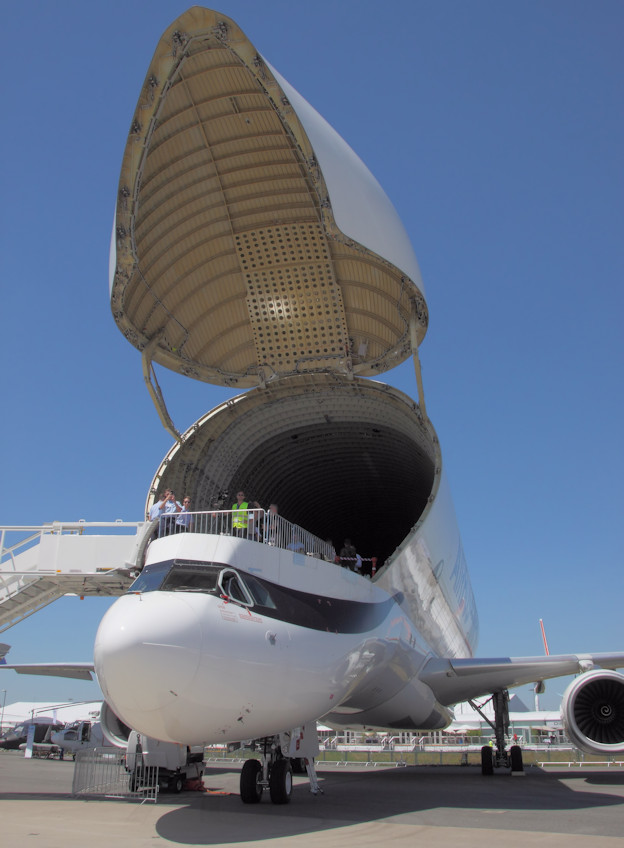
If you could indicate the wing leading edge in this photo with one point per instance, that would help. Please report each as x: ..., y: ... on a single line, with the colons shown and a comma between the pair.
x: 75, y: 670
x: 457, y: 680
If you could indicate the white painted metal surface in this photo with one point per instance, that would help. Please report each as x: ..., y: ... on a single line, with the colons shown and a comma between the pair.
x: 362, y: 209
x: 40, y: 564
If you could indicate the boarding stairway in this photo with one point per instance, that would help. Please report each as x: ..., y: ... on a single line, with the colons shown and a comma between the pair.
x: 40, y: 564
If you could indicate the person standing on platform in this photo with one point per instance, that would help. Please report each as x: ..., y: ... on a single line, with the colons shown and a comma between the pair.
x: 348, y: 555
x: 167, y: 518
x: 184, y: 521
x: 240, y: 516
x: 157, y: 509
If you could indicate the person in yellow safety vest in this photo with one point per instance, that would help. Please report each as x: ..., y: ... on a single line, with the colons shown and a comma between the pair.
x: 240, y: 515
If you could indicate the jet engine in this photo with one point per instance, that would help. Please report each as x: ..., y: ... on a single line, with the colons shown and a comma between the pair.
x: 115, y: 732
x: 592, y: 711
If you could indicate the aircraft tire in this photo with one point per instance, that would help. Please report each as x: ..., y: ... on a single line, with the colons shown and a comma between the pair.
x: 280, y: 782
x: 487, y: 760
x: 515, y: 756
x: 250, y: 787
x: 298, y: 765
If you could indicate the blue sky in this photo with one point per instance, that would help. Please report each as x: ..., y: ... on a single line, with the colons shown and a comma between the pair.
x: 497, y: 130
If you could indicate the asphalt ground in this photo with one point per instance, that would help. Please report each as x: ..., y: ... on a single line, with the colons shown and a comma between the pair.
x: 436, y: 806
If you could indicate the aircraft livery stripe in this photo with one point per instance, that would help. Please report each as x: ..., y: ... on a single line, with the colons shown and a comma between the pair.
x: 319, y: 612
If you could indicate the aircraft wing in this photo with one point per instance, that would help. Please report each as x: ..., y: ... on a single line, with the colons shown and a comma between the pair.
x: 456, y: 680
x: 76, y: 670
x: 452, y: 680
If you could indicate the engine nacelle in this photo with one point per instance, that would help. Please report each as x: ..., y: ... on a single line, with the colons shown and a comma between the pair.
x: 114, y: 731
x: 592, y: 712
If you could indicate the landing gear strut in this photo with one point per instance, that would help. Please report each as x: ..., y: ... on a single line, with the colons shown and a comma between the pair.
x: 275, y: 770
x: 494, y: 758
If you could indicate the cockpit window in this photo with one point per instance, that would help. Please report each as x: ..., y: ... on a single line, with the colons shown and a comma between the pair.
x: 259, y: 592
x: 193, y: 578
x: 212, y: 579
x: 151, y: 578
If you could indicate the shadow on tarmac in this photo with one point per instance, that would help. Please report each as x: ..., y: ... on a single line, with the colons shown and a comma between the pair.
x: 611, y: 778
x: 558, y: 801
x: 446, y: 796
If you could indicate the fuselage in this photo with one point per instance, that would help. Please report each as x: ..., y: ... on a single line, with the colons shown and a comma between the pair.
x: 224, y: 638
x: 285, y: 269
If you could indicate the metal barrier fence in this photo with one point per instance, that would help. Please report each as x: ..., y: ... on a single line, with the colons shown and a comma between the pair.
x: 102, y: 771
x: 374, y: 756
x: 255, y: 525
x: 561, y: 756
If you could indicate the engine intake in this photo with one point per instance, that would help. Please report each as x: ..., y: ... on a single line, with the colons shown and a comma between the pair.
x: 592, y: 712
x: 114, y: 730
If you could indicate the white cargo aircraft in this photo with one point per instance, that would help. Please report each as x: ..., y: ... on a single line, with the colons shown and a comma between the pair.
x: 252, y: 248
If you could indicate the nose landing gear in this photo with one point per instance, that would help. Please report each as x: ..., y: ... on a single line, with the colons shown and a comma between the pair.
x: 274, y: 772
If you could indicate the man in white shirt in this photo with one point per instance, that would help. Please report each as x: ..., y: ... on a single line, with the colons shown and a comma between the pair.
x: 157, y: 510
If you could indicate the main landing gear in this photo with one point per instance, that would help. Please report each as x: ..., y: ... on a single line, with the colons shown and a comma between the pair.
x: 491, y: 757
x: 275, y: 770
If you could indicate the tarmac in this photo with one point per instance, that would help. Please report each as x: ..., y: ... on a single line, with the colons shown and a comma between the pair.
x: 436, y: 806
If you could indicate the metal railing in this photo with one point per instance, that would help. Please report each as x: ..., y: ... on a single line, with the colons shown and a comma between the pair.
x: 29, y: 536
x: 255, y: 525
x: 35, y: 569
x: 102, y: 771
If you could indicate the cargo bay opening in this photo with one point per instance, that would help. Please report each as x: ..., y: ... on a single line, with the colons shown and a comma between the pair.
x: 253, y: 248
x: 341, y: 458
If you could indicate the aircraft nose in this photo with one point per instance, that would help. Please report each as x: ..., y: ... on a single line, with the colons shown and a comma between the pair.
x: 146, y: 651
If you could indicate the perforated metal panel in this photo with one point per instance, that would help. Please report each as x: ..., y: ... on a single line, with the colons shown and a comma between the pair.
x: 229, y: 263
x: 295, y: 306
